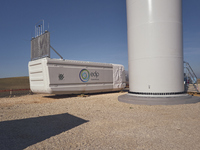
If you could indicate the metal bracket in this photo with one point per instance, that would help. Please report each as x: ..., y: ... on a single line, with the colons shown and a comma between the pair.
x: 56, y: 52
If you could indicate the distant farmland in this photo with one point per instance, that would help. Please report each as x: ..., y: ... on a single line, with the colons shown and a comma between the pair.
x: 14, y: 83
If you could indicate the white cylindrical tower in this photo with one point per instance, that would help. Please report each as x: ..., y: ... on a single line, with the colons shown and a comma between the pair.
x: 155, y: 53
x: 155, y: 47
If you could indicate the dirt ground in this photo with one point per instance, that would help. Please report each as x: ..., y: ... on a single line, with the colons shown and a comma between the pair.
x: 97, y: 121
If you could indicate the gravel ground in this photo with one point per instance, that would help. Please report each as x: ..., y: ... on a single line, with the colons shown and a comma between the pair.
x: 98, y: 121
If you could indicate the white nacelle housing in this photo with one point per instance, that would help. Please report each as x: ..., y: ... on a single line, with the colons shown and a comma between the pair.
x: 56, y: 76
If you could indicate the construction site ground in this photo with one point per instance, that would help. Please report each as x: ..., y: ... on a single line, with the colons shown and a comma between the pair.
x: 96, y: 121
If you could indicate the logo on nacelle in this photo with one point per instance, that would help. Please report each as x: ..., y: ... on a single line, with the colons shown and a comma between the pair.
x: 85, y: 75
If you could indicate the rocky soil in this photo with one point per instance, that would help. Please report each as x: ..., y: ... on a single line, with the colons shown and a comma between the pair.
x: 97, y: 121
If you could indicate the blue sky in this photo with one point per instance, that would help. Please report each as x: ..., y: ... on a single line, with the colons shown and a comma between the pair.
x: 87, y: 30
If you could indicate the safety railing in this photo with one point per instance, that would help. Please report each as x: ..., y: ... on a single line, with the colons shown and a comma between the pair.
x: 14, y: 92
x: 190, y: 76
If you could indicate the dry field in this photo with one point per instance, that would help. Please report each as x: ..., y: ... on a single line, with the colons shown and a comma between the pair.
x: 98, y: 121
x: 14, y: 83
x: 14, y: 86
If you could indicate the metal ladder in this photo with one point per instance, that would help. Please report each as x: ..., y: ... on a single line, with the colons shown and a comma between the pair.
x: 190, y: 76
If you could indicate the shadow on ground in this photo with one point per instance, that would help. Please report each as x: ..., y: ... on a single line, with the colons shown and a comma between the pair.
x: 19, y: 134
x: 81, y: 95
